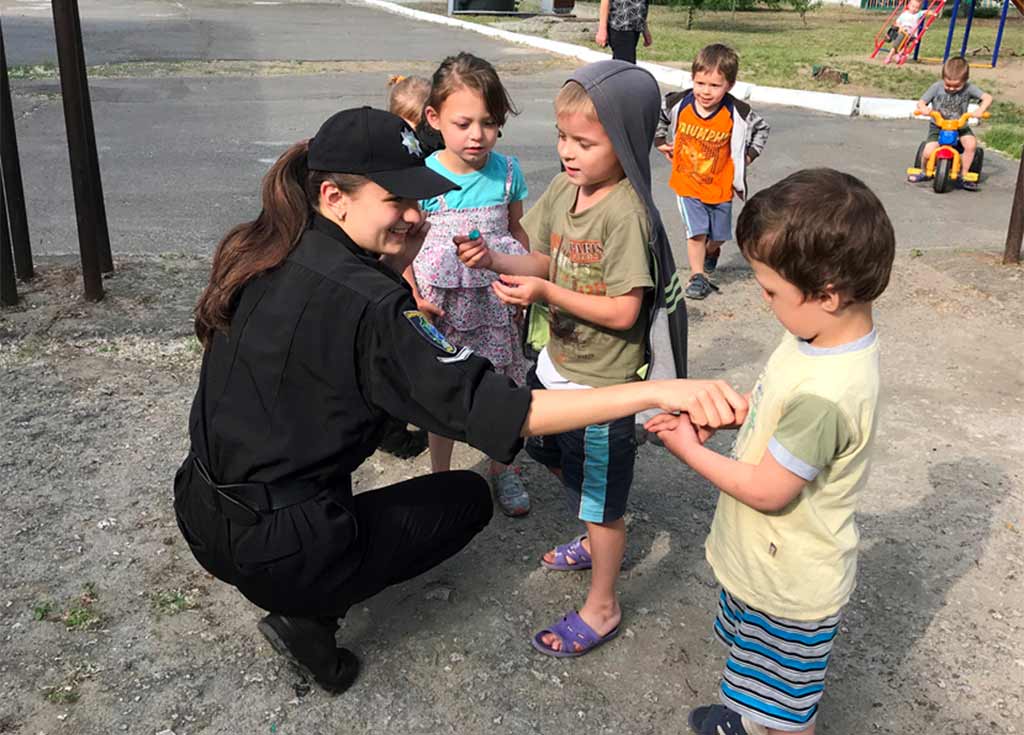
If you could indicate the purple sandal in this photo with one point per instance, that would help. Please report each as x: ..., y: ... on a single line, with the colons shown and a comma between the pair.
x: 574, y: 550
x: 571, y: 629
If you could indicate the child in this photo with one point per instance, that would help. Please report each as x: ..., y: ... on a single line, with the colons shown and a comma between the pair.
x: 592, y: 235
x: 469, y: 105
x: 710, y: 137
x: 951, y: 98
x: 906, y: 24
x: 407, y: 96
x: 783, y: 542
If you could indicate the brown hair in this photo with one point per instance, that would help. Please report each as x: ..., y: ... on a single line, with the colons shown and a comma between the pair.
x: 821, y: 229
x: 471, y: 72
x: 290, y: 192
x: 717, y: 57
x: 407, y: 96
x: 573, y: 99
x: 956, y: 69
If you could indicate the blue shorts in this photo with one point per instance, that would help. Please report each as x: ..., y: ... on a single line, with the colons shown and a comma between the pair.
x: 775, y: 673
x: 713, y: 220
x: 596, y: 463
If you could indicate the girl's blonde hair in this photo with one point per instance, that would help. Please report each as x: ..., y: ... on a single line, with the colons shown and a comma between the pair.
x: 407, y: 96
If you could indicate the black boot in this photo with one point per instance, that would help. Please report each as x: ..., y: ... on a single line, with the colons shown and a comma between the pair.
x: 309, y: 644
x: 401, y: 442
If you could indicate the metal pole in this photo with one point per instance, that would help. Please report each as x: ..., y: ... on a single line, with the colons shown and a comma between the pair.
x: 11, y: 165
x: 77, y: 119
x: 967, y: 28
x: 952, y: 27
x: 1015, y: 232
x: 8, y: 284
x: 999, y: 33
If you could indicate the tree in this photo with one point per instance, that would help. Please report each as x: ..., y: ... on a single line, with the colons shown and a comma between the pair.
x: 803, y: 7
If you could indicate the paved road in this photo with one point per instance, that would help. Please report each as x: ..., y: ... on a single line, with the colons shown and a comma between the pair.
x: 182, y: 153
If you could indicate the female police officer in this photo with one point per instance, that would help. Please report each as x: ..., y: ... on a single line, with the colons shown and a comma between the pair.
x: 311, y: 340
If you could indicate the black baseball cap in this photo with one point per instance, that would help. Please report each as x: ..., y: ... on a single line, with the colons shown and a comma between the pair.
x: 377, y: 145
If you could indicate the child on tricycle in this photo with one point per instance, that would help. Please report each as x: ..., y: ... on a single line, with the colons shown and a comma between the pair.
x: 948, y: 133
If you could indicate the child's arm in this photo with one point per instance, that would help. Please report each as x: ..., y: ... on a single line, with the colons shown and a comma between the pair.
x: 423, y: 305
x: 983, y: 105
x: 767, y: 487
x: 757, y: 135
x: 476, y: 254
x: 612, y: 312
x: 515, y: 214
x: 661, y: 132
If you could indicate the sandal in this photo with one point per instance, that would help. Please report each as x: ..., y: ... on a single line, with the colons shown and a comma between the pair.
x: 571, y: 629
x: 581, y: 559
x: 716, y: 719
x: 918, y: 178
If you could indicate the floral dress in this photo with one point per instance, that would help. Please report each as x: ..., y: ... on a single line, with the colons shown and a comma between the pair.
x: 474, y: 317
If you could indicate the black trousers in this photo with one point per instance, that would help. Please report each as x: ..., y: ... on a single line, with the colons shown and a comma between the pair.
x: 318, y: 558
x: 623, y: 44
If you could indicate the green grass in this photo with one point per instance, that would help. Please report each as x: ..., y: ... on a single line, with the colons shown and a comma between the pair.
x: 41, y: 610
x: 62, y: 694
x: 81, y: 613
x: 172, y: 602
x: 1006, y: 129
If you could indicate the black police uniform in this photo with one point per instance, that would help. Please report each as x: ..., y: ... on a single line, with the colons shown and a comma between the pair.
x: 319, y: 352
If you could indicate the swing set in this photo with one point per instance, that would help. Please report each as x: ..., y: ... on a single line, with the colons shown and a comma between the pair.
x: 909, y: 45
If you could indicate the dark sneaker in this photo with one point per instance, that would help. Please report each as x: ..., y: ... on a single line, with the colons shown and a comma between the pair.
x: 699, y: 287
x: 969, y: 185
x: 510, y: 492
x: 716, y: 719
x: 309, y: 645
x: 711, y: 261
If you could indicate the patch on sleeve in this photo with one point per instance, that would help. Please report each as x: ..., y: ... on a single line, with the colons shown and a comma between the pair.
x: 429, y: 332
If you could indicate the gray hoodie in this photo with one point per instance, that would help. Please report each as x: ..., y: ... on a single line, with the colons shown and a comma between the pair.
x: 628, y: 101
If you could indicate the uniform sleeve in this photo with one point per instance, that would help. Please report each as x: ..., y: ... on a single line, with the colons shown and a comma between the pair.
x: 409, y: 370
x: 810, y: 435
x: 519, y: 191
x: 537, y: 221
x: 929, y: 94
x: 626, y: 261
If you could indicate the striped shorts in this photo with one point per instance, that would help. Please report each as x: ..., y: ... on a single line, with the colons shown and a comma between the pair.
x: 775, y: 674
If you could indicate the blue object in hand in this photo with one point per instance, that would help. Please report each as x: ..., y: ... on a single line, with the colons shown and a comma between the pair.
x: 474, y: 234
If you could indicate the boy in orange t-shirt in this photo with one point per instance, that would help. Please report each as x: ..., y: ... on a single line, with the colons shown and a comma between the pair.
x: 709, y: 137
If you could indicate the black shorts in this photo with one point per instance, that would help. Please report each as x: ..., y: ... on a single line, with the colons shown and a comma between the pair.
x: 934, y: 130
x: 596, y: 464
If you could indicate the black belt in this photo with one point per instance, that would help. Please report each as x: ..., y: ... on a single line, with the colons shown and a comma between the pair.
x: 242, y: 502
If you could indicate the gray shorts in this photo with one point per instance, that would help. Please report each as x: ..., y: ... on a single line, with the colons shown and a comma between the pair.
x: 713, y: 220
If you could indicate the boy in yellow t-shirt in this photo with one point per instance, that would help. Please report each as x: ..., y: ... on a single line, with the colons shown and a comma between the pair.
x: 710, y: 137
x: 783, y: 542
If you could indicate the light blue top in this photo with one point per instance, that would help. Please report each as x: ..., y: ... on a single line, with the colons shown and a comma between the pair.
x: 483, y: 188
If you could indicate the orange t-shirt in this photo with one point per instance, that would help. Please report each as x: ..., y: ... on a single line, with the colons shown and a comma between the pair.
x: 702, y: 164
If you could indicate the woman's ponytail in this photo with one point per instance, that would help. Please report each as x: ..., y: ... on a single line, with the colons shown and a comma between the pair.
x: 256, y: 247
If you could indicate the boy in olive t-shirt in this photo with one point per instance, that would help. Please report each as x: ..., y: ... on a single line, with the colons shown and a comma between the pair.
x: 589, y: 262
x: 783, y: 542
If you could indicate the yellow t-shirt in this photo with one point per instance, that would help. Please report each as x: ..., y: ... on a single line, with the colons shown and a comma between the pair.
x: 814, y: 410
x: 702, y: 164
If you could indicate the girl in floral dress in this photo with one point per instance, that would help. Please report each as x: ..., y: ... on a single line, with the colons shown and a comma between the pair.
x: 469, y: 105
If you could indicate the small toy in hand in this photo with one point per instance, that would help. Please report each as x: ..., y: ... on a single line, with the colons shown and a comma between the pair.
x: 474, y: 234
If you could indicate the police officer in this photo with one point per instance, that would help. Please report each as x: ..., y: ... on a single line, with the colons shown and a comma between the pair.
x: 312, y: 339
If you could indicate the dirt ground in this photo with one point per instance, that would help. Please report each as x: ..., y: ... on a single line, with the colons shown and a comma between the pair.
x: 109, y: 625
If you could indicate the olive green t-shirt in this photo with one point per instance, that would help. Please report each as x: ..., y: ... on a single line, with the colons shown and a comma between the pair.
x: 601, y: 251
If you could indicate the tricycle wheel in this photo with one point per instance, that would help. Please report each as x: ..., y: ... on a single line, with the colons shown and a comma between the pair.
x: 942, y: 183
x: 918, y: 162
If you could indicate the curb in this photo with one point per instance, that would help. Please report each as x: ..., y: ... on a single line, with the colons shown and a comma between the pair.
x: 837, y: 104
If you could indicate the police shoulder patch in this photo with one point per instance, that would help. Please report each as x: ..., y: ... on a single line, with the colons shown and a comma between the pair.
x: 429, y: 332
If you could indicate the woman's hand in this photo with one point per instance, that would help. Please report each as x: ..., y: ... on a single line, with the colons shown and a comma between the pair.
x: 520, y: 290
x: 473, y: 253
x: 648, y: 38
x: 601, y: 37
x: 432, y: 311
x: 710, y: 403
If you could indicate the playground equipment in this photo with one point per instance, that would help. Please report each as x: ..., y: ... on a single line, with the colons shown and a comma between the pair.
x: 905, y: 44
x: 913, y: 46
x: 943, y: 166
